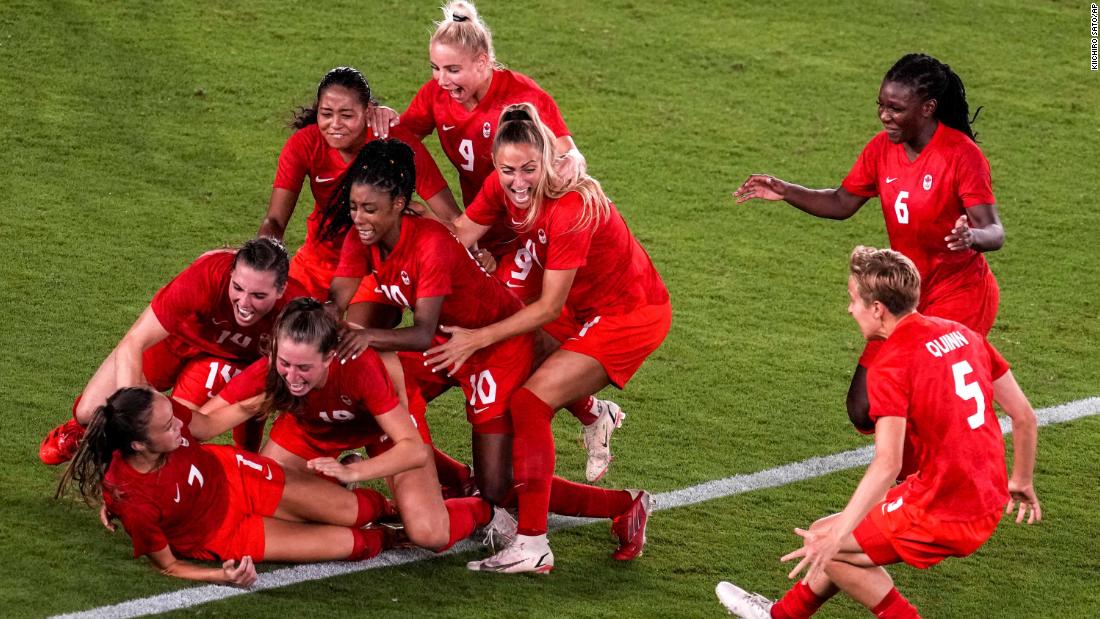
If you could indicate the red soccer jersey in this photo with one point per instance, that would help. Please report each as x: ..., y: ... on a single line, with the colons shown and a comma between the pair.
x: 307, y: 155
x: 180, y: 504
x: 922, y: 199
x: 194, y: 307
x: 614, y: 273
x: 939, y: 375
x: 341, y: 412
x: 428, y: 261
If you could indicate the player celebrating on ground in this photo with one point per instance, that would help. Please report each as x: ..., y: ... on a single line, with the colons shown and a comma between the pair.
x: 419, y: 265
x: 206, y: 324
x: 935, y: 381
x: 326, y: 408
x: 178, y: 498
x: 328, y: 135
x: 593, y: 265
x: 934, y: 185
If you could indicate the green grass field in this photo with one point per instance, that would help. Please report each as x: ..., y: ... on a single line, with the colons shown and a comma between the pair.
x: 138, y: 135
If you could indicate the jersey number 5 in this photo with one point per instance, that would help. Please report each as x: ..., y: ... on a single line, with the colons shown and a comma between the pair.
x: 969, y: 391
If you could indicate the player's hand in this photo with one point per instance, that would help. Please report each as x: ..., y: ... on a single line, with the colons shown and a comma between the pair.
x: 818, y: 548
x: 381, y: 118
x: 243, y: 575
x: 1022, y: 496
x: 451, y: 354
x: 961, y: 237
x: 352, y: 343
x: 331, y: 467
x: 412, y: 207
x: 485, y: 258
x: 761, y: 186
x: 570, y: 166
x: 106, y: 518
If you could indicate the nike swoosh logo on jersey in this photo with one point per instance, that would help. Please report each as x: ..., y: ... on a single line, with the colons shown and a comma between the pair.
x: 478, y: 411
x: 511, y: 285
x: 448, y: 127
x: 890, y: 179
x: 177, y: 499
x: 269, y: 472
x: 323, y: 180
x: 218, y: 323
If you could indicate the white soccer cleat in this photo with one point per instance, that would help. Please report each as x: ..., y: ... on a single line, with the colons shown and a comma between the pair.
x: 526, y: 554
x: 597, y: 438
x: 742, y: 603
x: 501, y: 530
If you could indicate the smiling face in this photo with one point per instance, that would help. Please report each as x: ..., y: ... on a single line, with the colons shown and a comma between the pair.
x: 464, y: 75
x: 164, y: 433
x: 376, y: 216
x: 519, y: 167
x: 252, y: 293
x: 903, y: 114
x: 342, y: 118
x: 301, y: 365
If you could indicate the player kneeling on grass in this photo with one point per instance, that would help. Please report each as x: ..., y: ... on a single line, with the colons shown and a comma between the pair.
x: 179, y: 498
x: 326, y: 407
x: 936, y: 380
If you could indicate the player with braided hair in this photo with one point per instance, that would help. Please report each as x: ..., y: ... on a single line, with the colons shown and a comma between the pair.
x: 934, y: 185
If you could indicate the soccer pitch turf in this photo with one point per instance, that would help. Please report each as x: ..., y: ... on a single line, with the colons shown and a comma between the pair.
x: 139, y: 135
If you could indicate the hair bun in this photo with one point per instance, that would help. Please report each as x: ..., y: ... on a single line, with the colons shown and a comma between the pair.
x: 515, y: 114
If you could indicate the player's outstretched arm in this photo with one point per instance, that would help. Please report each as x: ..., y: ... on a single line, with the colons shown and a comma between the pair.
x: 279, y: 209
x: 408, y: 452
x: 217, y: 416
x: 980, y: 229
x: 230, y: 573
x: 1025, y: 438
x: 145, y: 332
x: 827, y: 203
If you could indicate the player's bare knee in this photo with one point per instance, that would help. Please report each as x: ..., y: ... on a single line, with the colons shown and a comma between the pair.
x: 427, y: 534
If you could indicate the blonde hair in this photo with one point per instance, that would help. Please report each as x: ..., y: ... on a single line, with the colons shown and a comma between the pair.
x: 520, y: 124
x: 886, y: 276
x: 462, y: 27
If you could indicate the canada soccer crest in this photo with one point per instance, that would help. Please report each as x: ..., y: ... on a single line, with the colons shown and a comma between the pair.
x: 404, y: 278
x: 927, y: 182
x: 542, y: 236
x: 345, y: 399
x: 486, y: 129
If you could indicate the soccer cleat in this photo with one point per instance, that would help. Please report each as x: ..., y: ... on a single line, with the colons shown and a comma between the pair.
x: 501, y: 530
x: 742, y: 603
x: 526, y: 554
x: 597, y: 438
x: 61, y: 443
x: 629, y: 527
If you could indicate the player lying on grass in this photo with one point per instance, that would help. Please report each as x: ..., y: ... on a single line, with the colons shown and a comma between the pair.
x: 206, y: 324
x: 619, y: 314
x: 937, y: 200
x: 180, y: 499
x: 324, y: 408
x: 419, y: 265
x: 462, y: 105
x: 935, y: 380
x: 327, y: 137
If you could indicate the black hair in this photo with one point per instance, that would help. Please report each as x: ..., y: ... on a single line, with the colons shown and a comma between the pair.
x: 304, y: 320
x: 265, y: 254
x: 122, y: 420
x: 387, y: 165
x: 349, y: 78
x: 931, y: 79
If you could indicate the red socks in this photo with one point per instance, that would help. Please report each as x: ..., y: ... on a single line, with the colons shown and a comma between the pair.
x: 372, y: 506
x: 799, y: 602
x: 466, y: 515
x: 368, y: 543
x: 572, y: 499
x: 532, y: 460
x: 582, y: 410
x: 895, y: 606
x: 249, y: 435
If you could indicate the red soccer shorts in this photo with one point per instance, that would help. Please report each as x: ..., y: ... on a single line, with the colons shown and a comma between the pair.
x: 974, y: 305
x: 488, y: 380
x: 162, y: 362
x: 296, y: 438
x: 622, y: 343
x: 255, y: 486
x: 313, y: 269
x: 203, y: 377
x: 894, y: 531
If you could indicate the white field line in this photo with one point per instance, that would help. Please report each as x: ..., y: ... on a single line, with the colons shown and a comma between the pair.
x: 738, y: 484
